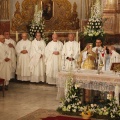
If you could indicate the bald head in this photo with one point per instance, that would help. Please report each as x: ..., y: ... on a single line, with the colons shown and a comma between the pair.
x: 71, y: 37
x: 2, y: 38
x: 55, y: 37
x: 24, y: 36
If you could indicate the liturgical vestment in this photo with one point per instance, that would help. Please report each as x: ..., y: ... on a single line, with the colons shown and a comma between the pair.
x: 13, y: 55
x: 23, y: 60
x: 71, y: 49
x: 5, y: 67
x: 37, y: 61
x: 53, y: 62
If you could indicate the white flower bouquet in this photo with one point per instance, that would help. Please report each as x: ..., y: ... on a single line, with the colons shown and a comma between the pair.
x: 72, y: 102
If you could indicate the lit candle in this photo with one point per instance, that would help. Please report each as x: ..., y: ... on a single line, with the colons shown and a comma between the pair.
x: 16, y: 36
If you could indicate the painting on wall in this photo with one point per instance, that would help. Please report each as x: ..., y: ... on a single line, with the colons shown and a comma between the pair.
x: 47, y: 6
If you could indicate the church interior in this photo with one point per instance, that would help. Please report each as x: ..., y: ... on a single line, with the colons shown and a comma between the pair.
x: 59, y: 58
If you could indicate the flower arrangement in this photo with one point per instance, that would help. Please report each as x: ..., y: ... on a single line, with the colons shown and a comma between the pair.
x: 72, y: 102
x: 109, y: 110
x: 37, y: 25
x: 94, y: 28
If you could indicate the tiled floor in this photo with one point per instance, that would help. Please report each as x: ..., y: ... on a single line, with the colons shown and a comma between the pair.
x: 23, y: 98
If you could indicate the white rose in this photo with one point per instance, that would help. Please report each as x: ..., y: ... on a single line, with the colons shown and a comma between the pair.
x: 92, y: 105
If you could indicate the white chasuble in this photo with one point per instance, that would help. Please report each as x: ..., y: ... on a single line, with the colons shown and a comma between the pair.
x: 53, y: 62
x: 37, y: 61
x: 13, y: 55
x: 70, y: 50
x: 5, y: 67
x: 23, y: 60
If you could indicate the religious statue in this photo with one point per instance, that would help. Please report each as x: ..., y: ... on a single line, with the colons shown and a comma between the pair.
x: 37, y: 15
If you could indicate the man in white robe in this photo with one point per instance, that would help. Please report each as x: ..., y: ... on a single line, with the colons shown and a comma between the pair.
x: 23, y: 58
x: 70, y: 53
x: 53, y: 59
x: 37, y: 59
x: 109, y: 58
x: 11, y: 44
x: 5, y: 61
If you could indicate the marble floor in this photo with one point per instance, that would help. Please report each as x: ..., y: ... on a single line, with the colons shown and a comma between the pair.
x: 23, y: 98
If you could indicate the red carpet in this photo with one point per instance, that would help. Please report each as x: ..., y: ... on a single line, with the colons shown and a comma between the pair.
x: 62, y: 118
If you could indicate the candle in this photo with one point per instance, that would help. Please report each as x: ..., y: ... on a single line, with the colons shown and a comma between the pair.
x: 41, y: 4
x: 77, y: 36
x: 79, y: 47
x: 16, y: 36
x: 36, y: 8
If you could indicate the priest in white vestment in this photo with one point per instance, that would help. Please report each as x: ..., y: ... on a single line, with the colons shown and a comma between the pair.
x: 70, y: 53
x: 23, y: 58
x: 5, y: 61
x: 110, y: 56
x: 37, y: 59
x: 11, y: 44
x: 53, y: 59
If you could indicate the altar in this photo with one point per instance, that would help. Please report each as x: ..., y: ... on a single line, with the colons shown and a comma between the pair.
x: 90, y: 79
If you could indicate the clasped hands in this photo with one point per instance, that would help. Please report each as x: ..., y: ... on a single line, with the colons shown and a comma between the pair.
x: 70, y: 59
x: 56, y: 52
x: 11, y: 45
x: 24, y: 51
x: 7, y: 59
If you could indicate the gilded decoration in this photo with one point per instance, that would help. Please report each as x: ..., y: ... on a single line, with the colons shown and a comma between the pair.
x: 62, y: 18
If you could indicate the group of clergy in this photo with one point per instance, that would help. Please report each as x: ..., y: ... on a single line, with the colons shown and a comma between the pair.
x: 35, y: 62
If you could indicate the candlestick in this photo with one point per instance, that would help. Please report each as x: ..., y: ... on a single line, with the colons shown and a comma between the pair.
x: 16, y: 36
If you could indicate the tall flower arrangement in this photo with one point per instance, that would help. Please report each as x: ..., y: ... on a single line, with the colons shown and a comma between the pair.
x: 94, y: 28
x: 72, y: 102
x: 37, y: 25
